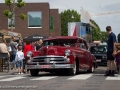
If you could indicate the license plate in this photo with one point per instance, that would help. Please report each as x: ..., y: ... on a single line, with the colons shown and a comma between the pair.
x: 98, y: 60
x: 45, y: 66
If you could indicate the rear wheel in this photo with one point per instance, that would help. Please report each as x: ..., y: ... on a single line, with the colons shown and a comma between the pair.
x: 34, y: 72
x: 72, y: 71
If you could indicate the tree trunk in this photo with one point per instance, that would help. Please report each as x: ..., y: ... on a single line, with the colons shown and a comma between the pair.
x: 12, y: 23
x: 13, y: 16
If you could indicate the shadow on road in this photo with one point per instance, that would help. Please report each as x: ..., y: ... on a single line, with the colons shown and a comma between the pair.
x: 100, y: 70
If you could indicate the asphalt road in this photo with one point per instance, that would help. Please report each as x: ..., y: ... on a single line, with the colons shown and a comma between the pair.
x: 48, y: 81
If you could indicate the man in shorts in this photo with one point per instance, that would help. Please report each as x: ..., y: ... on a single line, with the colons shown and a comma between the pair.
x: 110, y: 51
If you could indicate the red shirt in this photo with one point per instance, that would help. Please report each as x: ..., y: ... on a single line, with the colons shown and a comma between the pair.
x: 27, y: 48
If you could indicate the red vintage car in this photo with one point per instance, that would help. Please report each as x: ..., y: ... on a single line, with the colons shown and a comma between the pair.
x: 62, y: 53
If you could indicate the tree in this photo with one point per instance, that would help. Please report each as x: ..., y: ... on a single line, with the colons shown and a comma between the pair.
x: 13, y: 7
x: 96, y: 32
x: 104, y: 36
x: 68, y: 16
x: 118, y: 37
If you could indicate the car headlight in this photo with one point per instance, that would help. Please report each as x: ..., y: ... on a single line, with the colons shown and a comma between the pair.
x: 29, y: 54
x: 28, y: 61
x: 67, y: 52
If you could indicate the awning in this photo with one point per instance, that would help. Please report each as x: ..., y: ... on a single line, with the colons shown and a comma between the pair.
x: 10, y: 33
x: 34, y: 37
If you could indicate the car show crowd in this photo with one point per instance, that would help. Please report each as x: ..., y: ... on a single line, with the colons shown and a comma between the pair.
x: 17, y: 50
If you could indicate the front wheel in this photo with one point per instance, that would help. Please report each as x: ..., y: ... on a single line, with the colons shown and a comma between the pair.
x: 91, y: 70
x: 34, y: 72
x: 72, y: 71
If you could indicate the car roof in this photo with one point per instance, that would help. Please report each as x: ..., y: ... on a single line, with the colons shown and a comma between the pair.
x: 64, y: 37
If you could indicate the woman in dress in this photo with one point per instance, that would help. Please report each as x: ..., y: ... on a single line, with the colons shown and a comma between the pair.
x: 117, y: 55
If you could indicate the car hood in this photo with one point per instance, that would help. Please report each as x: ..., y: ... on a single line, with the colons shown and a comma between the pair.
x: 53, y: 50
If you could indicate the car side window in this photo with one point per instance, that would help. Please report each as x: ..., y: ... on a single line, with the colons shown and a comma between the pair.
x: 79, y: 43
x: 84, y: 45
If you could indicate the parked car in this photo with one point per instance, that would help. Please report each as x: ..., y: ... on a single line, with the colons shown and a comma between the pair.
x: 63, y: 53
x: 100, y: 52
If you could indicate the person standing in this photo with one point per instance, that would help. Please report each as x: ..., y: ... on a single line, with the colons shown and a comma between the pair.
x: 9, y: 50
x: 27, y: 47
x: 34, y: 45
x: 117, y: 55
x: 3, y: 47
x: 39, y: 44
x: 110, y: 51
x: 19, y: 60
x: 13, y: 45
x: 3, y: 50
x: 20, y: 43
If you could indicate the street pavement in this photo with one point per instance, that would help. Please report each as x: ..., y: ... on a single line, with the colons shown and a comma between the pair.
x: 51, y: 81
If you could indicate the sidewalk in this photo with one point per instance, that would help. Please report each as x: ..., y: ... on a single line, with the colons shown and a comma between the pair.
x: 11, y: 72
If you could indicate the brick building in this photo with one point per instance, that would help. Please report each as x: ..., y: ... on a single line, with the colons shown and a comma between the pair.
x: 40, y: 20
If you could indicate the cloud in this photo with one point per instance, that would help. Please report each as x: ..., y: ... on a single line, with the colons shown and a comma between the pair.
x: 109, y: 19
x: 113, y: 7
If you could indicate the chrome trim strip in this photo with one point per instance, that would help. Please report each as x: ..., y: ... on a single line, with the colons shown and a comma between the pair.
x: 53, y: 66
x: 49, y: 62
x: 47, y: 56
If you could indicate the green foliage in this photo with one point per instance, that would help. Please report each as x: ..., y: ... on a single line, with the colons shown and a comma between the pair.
x: 104, y: 36
x: 96, y: 32
x: 20, y: 4
x: 68, y: 16
x: 23, y: 16
x: 13, y: 7
x: 8, y: 2
x: 7, y: 13
x: 118, y: 37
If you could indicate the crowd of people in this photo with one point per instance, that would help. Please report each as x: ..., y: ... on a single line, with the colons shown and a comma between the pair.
x: 17, y: 51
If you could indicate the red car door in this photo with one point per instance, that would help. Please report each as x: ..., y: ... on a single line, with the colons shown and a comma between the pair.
x: 81, y: 55
x: 87, y: 62
x: 86, y: 55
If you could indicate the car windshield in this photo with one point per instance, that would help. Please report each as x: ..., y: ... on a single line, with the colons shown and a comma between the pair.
x: 98, y: 49
x: 60, y: 42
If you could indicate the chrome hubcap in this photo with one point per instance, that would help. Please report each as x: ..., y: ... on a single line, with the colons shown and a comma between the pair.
x: 92, y: 69
x: 74, y: 67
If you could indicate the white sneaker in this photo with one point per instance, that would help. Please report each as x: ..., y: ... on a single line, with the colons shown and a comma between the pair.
x: 21, y: 73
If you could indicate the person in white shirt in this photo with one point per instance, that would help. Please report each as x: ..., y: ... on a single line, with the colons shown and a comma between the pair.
x: 19, y: 60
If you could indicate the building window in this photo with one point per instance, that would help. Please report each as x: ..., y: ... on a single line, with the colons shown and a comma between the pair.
x: 10, y: 23
x: 34, y: 19
x: 51, y: 23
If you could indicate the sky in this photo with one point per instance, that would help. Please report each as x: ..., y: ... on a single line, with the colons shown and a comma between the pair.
x: 93, y: 7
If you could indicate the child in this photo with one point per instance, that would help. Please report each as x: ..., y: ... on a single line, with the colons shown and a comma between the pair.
x: 117, y: 55
x: 19, y: 60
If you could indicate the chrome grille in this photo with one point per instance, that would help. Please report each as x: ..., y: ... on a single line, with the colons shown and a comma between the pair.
x: 51, y: 59
x: 98, y: 57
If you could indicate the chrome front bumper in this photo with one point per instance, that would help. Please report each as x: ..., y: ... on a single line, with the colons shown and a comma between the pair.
x: 54, y: 66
